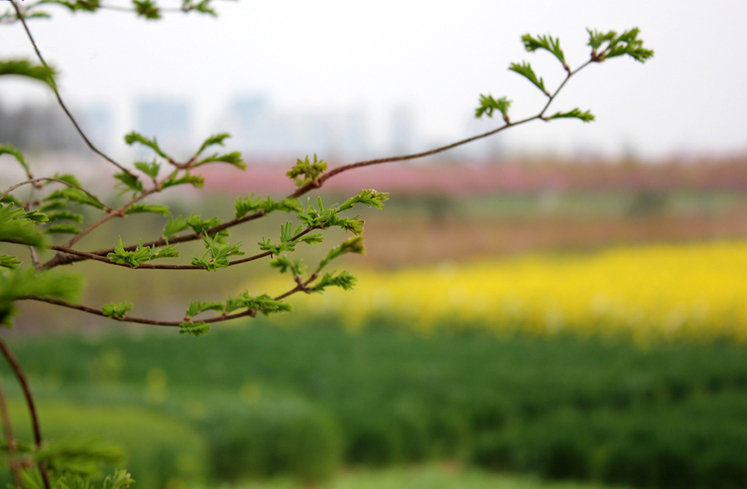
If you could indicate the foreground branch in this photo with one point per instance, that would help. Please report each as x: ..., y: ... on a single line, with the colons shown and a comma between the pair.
x: 155, y: 322
x: 13, y: 362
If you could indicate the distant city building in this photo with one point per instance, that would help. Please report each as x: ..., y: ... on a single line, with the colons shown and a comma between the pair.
x: 260, y: 130
x: 168, y: 120
x: 402, y: 130
x: 96, y: 122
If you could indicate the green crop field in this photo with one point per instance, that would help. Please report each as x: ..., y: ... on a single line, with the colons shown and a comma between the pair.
x: 306, y: 400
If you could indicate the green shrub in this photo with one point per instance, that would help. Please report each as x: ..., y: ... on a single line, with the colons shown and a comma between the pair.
x: 160, y: 450
x: 270, y: 437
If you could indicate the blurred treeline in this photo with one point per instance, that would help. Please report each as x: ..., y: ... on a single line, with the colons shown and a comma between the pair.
x: 305, y: 398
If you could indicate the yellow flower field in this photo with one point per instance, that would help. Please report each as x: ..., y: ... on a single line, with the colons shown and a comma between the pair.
x: 690, y: 291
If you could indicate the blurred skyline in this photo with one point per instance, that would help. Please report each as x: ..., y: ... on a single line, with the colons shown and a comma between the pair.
x: 360, y: 64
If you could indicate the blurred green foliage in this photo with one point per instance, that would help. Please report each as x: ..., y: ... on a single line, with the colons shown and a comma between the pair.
x: 273, y: 400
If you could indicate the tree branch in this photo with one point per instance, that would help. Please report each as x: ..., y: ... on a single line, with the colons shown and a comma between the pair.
x: 13, y: 362
x: 147, y: 266
x: 155, y: 322
x: 10, y: 440
x: 93, y: 148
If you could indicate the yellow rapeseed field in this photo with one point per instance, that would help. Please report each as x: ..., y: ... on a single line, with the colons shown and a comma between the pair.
x: 667, y: 291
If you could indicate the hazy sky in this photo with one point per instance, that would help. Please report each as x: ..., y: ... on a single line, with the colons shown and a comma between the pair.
x: 433, y: 55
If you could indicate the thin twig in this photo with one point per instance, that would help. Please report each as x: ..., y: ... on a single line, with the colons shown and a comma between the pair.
x: 13, y: 362
x: 155, y: 322
x: 57, y: 93
x: 148, y: 266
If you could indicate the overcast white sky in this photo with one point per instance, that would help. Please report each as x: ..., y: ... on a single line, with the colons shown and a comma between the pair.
x: 434, y: 55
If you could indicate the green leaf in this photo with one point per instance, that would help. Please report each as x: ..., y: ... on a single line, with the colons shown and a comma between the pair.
x: 352, y: 245
x: 310, y: 171
x: 488, y: 105
x: 343, y: 280
x: 71, y: 179
x: 141, y: 254
x: 128, y: 182
x: 626, y: 43
x: 218, y: 254
x: 213, y: 140
x: 199, y: 226
x: 65, y: 216
x: 8, y: 149
x: 174, y: 226
x: 59, y: 285
x: 368, y: 197
x: 63, y: 229
x: 196, y: 181
x: 284, y: 263
x: 151, y: 169
x: 77, y: 5
x: 596, y: 38
x: 16, y: 227
x: 37, y: 217
x: 196, y: 307
x: 7, y: 261
x: 121, y: 479
x: 252, y: 204
x: 23, y: 67
x: 263, y: 304
x: 548, y: 43
x: 54, y: 204
x: 155, y: 209
x: 78, y: 457
x: 9, y: 199
x: 231, y: 158
x: 194, y: 329
x: 203, y: 7
x: 525, y: 70
x: 75, y: 195
x: 311, y: 239
x: 574, y: 114
x: 147, y: 9
x: 116, y: 310
x: 135, y: 137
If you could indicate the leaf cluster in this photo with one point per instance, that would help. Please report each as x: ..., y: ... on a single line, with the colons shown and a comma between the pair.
x: 352, y: 245
x: 8, y: 149
x: 289, y: 239
x: 141, y: 254
x: 263, y: 304
x: 147, y: 9
x: 574, y: 114
x: 23, y: 67
x: 17, y: 226
x: 311, y: 171
x: 321, y: 218
x: 135, y: 137
x: 546, y: 42
x: 626, y: 43
x: 251, y: 204
x: 217, y: 254
x: 525, y: 70
x: 116, y: 310
x: 76, y: 5
x: 488, y: 105
x: 343, y: 280
x: 22, y: 283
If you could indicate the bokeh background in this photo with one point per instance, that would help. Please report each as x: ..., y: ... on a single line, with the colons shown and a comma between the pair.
x: 562, y: 305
